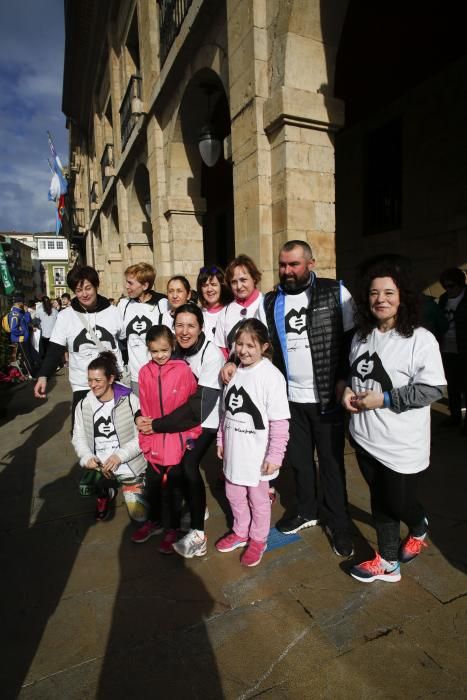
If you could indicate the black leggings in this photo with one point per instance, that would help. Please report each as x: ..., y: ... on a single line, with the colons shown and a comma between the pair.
x: 194, y: 488
x: 393, y: 499
x: 157, y: 486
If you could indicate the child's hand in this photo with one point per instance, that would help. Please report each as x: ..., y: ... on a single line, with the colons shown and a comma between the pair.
x: 220, y: 451
x: 144, y: 425
x: 368, y: 400
x: 268, y: 468
x: 110, y: 465
x: 93, y: 463
x: 228, y: 371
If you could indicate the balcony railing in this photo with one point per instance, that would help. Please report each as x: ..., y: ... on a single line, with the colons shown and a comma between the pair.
x: 130, y: 109
x: 171, y: 16
x: 107, y: 165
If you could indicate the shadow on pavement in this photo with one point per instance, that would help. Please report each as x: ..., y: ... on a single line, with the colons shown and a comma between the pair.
x: 158, y: 645
x: 35, y: 560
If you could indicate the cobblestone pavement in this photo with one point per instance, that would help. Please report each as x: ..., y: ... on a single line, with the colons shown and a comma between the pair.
x: 88, y: 614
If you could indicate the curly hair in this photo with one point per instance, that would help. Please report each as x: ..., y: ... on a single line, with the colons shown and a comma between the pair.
x: 409, y: 312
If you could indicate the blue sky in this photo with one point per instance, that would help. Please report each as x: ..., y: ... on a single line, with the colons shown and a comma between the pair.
x: 32, y: 37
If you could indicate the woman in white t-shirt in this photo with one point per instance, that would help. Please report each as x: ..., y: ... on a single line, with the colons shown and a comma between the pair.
x: 178, y: 294
x: 214, y: 295
x: 395, y: 374
x: 242, y: 276
x: 206, y: 361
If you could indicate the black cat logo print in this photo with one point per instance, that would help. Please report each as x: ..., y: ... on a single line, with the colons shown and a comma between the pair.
x: 238, y: 401
x: 368, y: 366
x: 295, y: 321
x: 85, y: 339
x: 104, y: 428
x: 138, y: 326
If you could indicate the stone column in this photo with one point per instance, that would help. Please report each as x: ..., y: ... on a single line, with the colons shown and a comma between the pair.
x: 248, y: 74
x: 185, y: 235
x: 301, y: 125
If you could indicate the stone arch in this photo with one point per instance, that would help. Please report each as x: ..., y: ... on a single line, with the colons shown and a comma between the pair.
x: 191, y: 205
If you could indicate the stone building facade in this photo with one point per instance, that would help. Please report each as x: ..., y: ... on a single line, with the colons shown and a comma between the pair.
x: 273, y: 79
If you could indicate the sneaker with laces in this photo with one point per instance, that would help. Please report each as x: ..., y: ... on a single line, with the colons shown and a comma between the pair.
x: 170, y: 537
x: 253, y: 554
x: 289, y: 526
x: 230, y: 542
x: 377, y: 569
x: 341, y: 542
x: 192, y: 545
x: 146, y: 531
x: 103, y: 505
x: 411, y: 547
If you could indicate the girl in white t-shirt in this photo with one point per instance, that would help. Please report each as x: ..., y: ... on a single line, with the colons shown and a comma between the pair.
x: 251, y: 440
x: 395, y: 373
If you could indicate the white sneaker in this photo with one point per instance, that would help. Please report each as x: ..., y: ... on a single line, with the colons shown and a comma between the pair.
x: 192, y: 545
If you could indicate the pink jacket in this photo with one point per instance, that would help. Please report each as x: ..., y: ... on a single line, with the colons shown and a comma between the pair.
x: 162, y: 389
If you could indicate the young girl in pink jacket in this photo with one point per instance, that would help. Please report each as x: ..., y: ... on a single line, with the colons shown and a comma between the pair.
x: 164, y: 385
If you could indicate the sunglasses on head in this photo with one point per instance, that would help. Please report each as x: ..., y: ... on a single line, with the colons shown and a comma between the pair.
x: 209, y: 270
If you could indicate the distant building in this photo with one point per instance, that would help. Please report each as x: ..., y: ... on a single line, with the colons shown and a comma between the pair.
x: 49, y: 263
x: 204, y: 128
x: 19, y: 255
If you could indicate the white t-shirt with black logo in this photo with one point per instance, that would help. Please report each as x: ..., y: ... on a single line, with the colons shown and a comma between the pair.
x: 210, y: 322
x: 302, y: 385
x: 137, y: 319
x: 254, y: 397
x: 70, y: 332
x: 105, y: 438
x: 401, y: 441
x: 206, y: 365
x: 229, y: 320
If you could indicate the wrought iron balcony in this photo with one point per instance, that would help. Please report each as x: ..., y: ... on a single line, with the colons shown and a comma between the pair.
x: 107, y: 164
x: 130, y: 109
x: 171, y: 16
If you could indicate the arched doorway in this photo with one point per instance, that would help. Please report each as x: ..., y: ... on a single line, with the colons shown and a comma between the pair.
x: 205, y: 102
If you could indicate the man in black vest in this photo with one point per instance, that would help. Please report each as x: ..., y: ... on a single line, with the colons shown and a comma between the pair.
x: 310, y: 323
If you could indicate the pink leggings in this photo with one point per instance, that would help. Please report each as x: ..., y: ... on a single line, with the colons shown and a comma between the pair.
x: 251, y: 509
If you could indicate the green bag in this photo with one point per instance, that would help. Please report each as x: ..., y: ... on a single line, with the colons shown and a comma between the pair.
x: 88, y: 482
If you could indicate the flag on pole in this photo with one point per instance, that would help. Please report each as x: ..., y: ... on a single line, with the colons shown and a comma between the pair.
x: 5, y: 273
x: 58, y: 185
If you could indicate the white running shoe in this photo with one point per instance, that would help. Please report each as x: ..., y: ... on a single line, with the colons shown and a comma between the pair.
x: 192, y: 545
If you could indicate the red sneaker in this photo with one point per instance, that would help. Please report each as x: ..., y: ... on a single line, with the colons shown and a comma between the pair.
x: 146, y: 531
x: 254, y: 553
x: 411, y: 548
x: 230, y: 542
x: 170, y: 537
x: 376, y: 569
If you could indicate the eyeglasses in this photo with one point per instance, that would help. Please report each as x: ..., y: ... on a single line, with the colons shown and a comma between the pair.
x: 209, y: 270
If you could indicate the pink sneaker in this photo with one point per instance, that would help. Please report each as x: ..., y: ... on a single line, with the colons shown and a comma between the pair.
x: 146, y: 531
x: 254, y: 553
x: 170, y: 537
x: 230, y: 542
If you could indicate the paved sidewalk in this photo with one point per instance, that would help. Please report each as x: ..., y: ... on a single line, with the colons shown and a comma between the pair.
x: 88, y: 614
